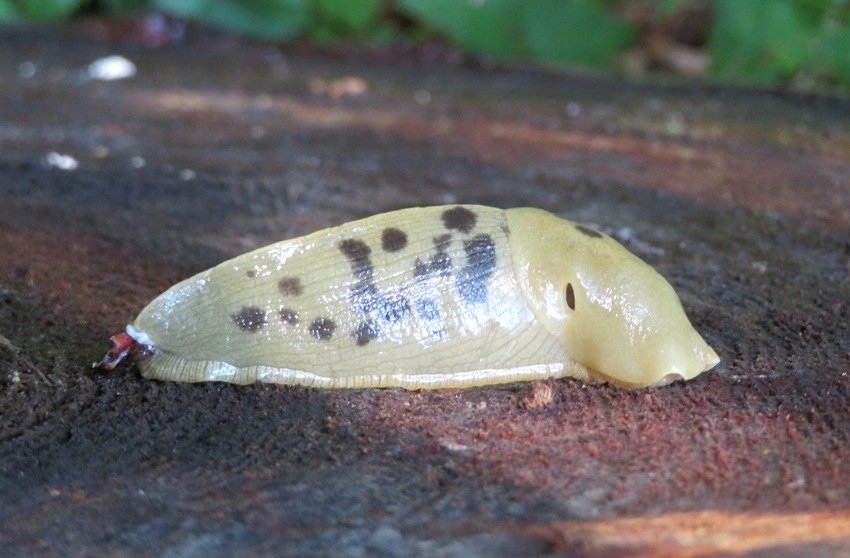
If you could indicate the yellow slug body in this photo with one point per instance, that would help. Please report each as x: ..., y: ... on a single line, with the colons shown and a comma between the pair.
x: 435, y: 297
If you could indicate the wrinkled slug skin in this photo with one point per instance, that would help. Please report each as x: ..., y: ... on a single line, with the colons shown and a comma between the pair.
x: 432, y: 297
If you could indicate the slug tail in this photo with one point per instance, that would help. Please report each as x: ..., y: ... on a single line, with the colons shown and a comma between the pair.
x: 121, y: 346
x: 163, y: 366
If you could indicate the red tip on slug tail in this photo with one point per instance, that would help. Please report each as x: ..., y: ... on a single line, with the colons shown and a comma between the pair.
x: 121, y: 345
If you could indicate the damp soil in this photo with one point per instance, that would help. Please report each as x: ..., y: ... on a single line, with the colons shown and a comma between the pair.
x: 111, y: 191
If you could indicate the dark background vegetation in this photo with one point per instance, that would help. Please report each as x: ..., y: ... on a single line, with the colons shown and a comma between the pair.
x: 802, y: 43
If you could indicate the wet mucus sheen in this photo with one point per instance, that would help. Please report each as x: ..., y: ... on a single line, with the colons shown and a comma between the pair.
x: 419, y: 298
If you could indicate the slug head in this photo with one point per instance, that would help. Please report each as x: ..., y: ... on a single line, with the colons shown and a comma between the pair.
x: 614, y: 314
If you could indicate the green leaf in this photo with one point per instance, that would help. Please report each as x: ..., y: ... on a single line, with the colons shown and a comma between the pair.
x: 384, y: 33
x: 757, y: 40
x: 348, y: 14
x: 48, y: 9
x: 812, y: 12
x: 491, y: 26
x: 125, y: 6
x: 7, y: 11
x: 831, y: 54
x: 665, y: 8
x: 579, y: 32
x: 262, y: 19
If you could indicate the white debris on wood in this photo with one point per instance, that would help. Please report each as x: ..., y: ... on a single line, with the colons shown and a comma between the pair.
x: 60, y: 161
x: 110, y: 68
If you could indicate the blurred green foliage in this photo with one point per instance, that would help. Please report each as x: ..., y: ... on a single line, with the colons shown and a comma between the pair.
x: 38, y: 9
x: 576, y: 31
x: 579, y: 32
x: 263, y: 19
x: 771, y: 41
x: 763, y: 41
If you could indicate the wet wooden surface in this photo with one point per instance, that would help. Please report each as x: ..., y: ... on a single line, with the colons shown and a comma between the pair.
x: 740, y: 198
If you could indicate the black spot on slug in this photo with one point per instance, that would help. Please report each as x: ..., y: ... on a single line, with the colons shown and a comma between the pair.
x: 441, y: 243
x: 587, y: 231
x: 480, y: 264
x: 393, y: 309
x: 251, y: 319
x: 365, y: 332
x: 356, y: 251
x: 393, y: 240
x: 290, y: 286
x: 364, y: 296
x: 420, y: 269
x: 288, y: 316
x: 459, y: 219
x: 428, y: 309
x: 322, y: 328
x: 250, y: 274
x: 363, y: 292
x: 571, y: 297
x: 439, y: 263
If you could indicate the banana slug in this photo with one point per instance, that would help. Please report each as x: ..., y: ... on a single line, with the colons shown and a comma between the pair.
x: 423, y: 298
